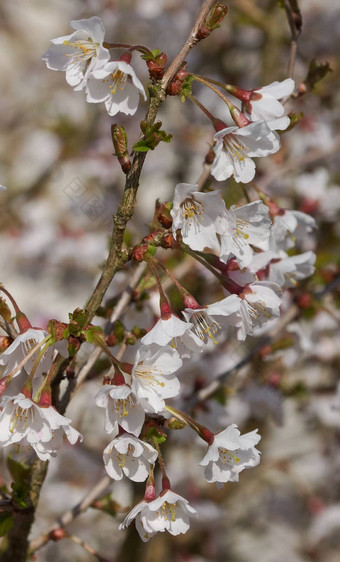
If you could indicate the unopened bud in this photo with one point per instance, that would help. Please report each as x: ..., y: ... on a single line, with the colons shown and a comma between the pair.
x: 174, y: 88
x: 157, y: 65
x: 119, y: 140
x: 163, y: 215
x: 138, y: 252
x: 212, y: 21
x: 58, y: 534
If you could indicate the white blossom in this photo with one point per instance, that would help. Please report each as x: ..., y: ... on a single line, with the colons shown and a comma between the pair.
x: 111, y: 84
x: 128, y: 455
x: 258, y: 303
x: 235, y: 147
x: 152, y: 376
x: 266, y: 107
x: 174, y: 331
x: 195, y: 214
x: 24, y: 421
x: 241, y: 226
x: 229, y: 454
x: 287, y: 272
x: 205, y: 325
x: 23, y: 344
x: 121, y: 407
x: 79, y: 53
x: 288, y: 228
x: 167, y: 512
x: 248, y: 274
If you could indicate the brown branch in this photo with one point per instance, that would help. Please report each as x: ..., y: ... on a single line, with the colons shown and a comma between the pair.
x: 190, y: 42
x: 71, y: 514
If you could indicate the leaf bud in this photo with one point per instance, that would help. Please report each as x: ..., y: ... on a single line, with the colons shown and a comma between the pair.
x: 212, y: 21
x: 119, y: 140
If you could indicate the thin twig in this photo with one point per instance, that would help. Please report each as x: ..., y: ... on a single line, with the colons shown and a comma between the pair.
x: 71, y: 514
x: 190, y: 42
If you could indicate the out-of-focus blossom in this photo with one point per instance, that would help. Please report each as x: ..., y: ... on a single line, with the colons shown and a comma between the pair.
x: 79, y: 53
x: 110, y: 84
x: 229, y: 454
x: 287, y: 272
x: 258, y: 303
x: 317, y: 196
x: 168, y: 512
x: 241, y: 226
x: 288, y: 228
x: 195, y: 215
x: 235, y: 147
x: 128, y: 455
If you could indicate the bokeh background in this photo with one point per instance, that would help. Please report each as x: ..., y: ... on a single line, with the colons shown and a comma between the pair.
x: 55, y: 219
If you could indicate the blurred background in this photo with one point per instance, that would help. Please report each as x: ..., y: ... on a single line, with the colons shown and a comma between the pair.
x: 55, y: 219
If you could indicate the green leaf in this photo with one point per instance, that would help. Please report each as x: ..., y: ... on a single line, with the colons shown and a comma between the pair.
x: 77, y: 322
x: 153, y: 434
x: 6, y: 523
x: 186, y: 87
x: 153, y: 135
x: 92, y: 333
x: 119, y: 330
x: 295, y: 118
x: 316, y: 72
x: 19, y: 471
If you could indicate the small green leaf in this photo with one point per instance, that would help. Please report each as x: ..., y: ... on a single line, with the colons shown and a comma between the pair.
x: 119, y: 330
x: 316, y: 72
x: 6, y: 523
x: 295, y: 118
x: 92, y: 333
x: 186, y: 87
x: 152, y: 434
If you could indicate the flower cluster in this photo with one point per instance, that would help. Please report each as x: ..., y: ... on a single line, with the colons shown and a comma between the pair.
x: 87, y: 66
x: 26, y: 414
x: 245, y: 246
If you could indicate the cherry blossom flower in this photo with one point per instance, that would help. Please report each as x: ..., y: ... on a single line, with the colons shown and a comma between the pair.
x: 287, y: 272
x: 229, y: 454
x: 258, y: 303
x: 23, y: 344
x: 167, y: 512
x: 152, y: 376
x: 195, y: 214
x: 248, y: 274
x: 317, y: 195
x: 241, y: 226
x: 110, y: 84
x: 288, y: 228
x: 128, y: 455
x: 172, y: 330
x: 205, y: 325
x: 2, y: 187
x: 263, y: 104
x: 24, y: 421
x: 79, y: 53
x: 236, y: 146
x: 121, y: 407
